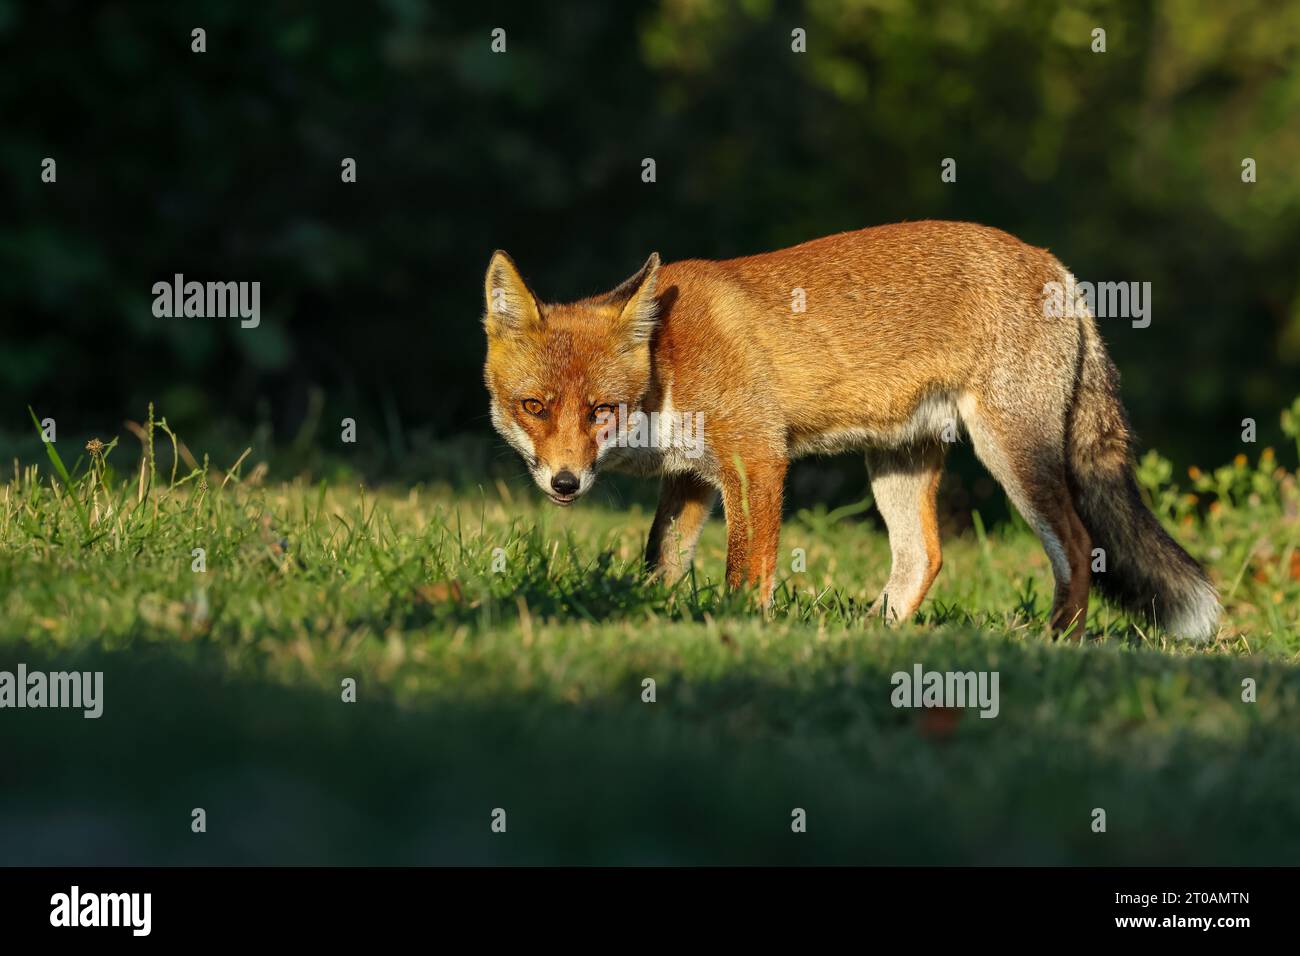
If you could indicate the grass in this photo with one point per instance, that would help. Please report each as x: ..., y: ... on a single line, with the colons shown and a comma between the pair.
x: 500, y: 650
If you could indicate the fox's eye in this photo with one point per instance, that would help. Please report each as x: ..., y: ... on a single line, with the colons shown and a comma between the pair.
x: 601, y: 412
x: 533, y: 407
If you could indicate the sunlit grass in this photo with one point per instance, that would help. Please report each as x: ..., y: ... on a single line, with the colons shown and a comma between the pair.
x: 501, y: 650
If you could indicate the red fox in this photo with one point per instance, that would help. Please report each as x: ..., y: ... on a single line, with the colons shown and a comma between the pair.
x: 906, y: 333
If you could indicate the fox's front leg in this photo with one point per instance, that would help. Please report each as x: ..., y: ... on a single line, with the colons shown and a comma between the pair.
x: 684, y: 505
x: 751, y: 496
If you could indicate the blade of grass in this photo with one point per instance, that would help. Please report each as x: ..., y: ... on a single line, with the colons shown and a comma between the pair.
x: 62, y: 472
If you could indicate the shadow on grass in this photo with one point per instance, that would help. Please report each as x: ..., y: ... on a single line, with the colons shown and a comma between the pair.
x: 709, y: 774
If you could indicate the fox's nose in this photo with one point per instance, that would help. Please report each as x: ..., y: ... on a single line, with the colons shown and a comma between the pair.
x: 565, y: 483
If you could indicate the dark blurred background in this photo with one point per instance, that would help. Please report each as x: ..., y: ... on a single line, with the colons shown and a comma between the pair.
x: 225, y: 166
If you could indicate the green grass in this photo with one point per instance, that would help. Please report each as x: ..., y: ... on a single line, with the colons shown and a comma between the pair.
x: 513, y: 678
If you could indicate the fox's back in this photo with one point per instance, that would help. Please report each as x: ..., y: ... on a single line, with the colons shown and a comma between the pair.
x: 876, y: 319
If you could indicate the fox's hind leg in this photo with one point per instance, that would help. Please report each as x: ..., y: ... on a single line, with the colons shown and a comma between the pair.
x: 1025, y: 451
x: 904, y: 482
x: 684, y: 505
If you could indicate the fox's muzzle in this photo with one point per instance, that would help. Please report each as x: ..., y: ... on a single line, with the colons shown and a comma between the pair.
x: 563, y: 483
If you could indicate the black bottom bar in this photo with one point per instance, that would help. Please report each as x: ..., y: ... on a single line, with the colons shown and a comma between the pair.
x: 335, y: 905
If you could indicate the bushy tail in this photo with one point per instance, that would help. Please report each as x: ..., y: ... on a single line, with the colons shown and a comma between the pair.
x: 1147, y: 573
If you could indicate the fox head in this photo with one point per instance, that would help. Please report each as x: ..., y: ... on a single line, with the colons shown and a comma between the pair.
x: 560, y: 375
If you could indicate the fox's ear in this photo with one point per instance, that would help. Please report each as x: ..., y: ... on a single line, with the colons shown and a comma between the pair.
x: 639, y: 310
x: 510, y: 306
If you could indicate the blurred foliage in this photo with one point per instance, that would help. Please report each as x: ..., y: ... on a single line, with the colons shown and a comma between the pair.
x: 225, y: 165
